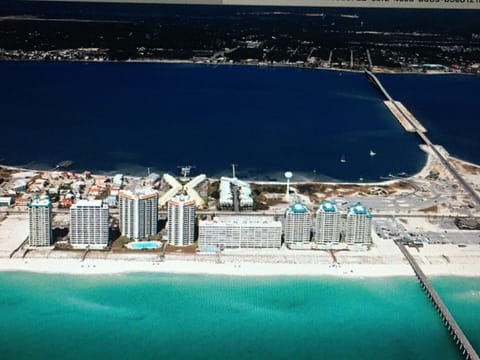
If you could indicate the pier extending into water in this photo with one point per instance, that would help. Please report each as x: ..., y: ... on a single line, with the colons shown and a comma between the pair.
x: 449, y: 321
x: 420, y: 131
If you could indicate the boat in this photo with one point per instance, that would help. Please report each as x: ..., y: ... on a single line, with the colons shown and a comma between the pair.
x: 389, y: 177
x: 372, y: 153
x: 342, y: 159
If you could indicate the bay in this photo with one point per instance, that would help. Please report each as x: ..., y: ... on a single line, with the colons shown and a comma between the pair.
x: 125, y: 117
x: 446, y: 104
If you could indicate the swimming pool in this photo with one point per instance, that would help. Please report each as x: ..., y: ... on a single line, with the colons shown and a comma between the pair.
x: 144, y: 245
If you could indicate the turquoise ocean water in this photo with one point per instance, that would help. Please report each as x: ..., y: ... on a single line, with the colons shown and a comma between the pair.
x: 152, y: 316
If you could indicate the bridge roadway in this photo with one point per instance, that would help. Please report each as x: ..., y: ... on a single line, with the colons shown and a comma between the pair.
x: 452, y: 326
x: 468, y: 189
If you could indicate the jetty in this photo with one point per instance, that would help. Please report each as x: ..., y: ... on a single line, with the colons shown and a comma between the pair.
x: 448, y: 320
x: 412, y: 123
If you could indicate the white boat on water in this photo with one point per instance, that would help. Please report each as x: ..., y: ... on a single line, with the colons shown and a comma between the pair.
x: 342, y: 159
x: 372, y: 153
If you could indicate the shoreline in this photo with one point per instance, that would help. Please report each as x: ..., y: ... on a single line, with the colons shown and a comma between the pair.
x: 379, y: 70
x: 421, y: 173
x: 236, y: 269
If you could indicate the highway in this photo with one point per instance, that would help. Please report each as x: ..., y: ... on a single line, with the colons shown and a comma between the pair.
x: 468, y: 189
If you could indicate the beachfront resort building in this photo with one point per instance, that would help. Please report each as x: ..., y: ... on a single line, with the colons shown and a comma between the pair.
x: 239, y: 231
x: 181, y: 220
x: 232, y: 189
x: 89, y: 224
x: 138, y: 213
x: 359, y: 225
x: 327, y: 223
x: 40, y: 221
x: 298, y: 224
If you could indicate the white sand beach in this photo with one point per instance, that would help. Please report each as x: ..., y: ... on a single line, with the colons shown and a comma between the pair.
x: 234, y: 267
x: 96, y: 267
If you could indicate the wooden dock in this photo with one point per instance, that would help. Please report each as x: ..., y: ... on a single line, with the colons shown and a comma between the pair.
x: 456, y: 333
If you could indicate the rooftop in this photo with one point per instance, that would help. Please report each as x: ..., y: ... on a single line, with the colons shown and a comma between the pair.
x: 139, y: 193
x: 298, y: 208
x: 42, y: 201
x: 242, y: 220
x: 181, y: 199
x: 90, y: 203
x: 359, y: 209
x: 328, y: 206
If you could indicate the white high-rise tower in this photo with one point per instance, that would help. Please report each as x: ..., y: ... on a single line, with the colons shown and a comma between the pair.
x: 89, y: 224
x: 138, y: 213
x: 359, y: 225
x: 298, y: 224
x: 327, y: 223
x: 40, y: 221
x: 181, y: 220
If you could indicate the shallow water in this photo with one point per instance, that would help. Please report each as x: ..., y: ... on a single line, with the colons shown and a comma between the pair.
x: 139, y: 316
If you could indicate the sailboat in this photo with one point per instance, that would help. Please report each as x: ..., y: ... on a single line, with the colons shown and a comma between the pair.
x: 372, y: 153
x: 342, y: 159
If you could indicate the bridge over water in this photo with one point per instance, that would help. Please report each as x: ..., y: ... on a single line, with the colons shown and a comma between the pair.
x: 452, y: 326
x: 419, y: 131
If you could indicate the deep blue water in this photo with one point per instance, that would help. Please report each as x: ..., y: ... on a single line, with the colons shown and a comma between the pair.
x: 447, y: 105
x: 165, y: 316
x: 130, y: 116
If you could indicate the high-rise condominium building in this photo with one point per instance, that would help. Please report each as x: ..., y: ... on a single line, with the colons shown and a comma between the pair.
x: 240, y: 231
x: 138, y: 213
x: 359, y: 225
x: 298, y: 224
x: 327, y: 223
x: 89, y: 224
x: 40, y: 221
x: 181, y: 220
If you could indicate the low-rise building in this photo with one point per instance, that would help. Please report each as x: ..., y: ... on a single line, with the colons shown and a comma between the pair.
x: 118, y: 180
x: 19, y: 185
x: 6, y: 201
x: 227, y: 196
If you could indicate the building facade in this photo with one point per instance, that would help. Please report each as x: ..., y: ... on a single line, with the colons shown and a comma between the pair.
x: 240, y: 232
x: 298, y: 224
x: 327, y: 223
x: 40, y: 221
x: 359, y: 225
x: 181, y: 220
x: 138, y: 213
x: 89, y: 224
